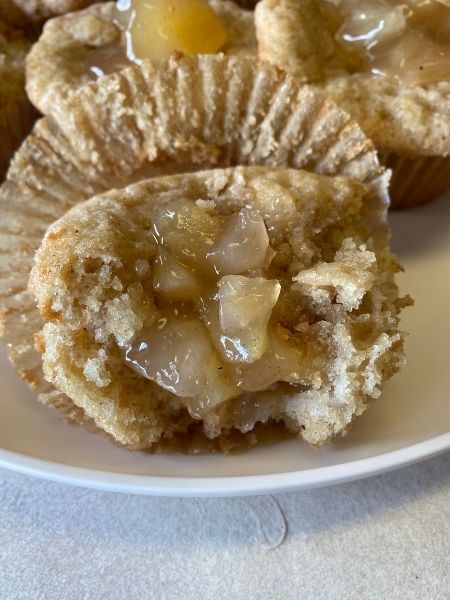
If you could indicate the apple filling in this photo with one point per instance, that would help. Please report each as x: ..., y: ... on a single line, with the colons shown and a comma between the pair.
x: 156, y: 29
x: 215, y: 336
x: 408, y: 40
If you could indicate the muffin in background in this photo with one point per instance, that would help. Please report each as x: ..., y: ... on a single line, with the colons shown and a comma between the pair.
x: 77, y: 48
x: 405, y: 110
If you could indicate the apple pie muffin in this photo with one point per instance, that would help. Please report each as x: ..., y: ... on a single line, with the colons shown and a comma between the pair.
x: 77, y: 48
x: 387, y: 63
x: 229, y: 297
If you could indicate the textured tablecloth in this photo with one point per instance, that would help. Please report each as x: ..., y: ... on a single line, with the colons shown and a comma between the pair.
x: 383, y: 538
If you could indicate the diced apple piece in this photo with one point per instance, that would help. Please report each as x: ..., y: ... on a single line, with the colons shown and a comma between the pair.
x: 434, y: 15
x: 208, y: 308
x: 217, y: 389
x: 370, y: 24
x: 188, y: 233
x: 245, y: 306
x: 281, y: 362
x: 242, y: 245
x: 173, y: 353
x: 177, y: 354
x: 174, y: 281
x: 414, y: 59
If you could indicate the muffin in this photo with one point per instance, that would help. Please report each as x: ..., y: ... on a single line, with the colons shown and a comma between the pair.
x: 181, y: 115
x: 16, y: 113
x: 388, y: 65
x: 229, y: 297
x: 77, y: 48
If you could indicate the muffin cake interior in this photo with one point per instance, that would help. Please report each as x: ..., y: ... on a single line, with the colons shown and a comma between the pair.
x: 231, y: 296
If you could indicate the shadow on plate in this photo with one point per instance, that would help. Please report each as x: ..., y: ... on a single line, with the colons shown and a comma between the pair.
x: 421, y: 230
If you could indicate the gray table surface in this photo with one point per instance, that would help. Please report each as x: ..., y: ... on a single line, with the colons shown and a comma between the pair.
x: 383, y: 538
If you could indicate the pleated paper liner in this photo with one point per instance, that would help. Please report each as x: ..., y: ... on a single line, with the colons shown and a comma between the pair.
x: 180, y: 115
x: 416, y: 180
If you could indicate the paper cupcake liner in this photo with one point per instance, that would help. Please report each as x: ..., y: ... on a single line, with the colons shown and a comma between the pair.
x: 416, y: 181
x: 175, y: 116
x: 16, y: 121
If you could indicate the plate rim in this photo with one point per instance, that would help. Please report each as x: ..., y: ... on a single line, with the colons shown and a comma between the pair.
x: 242, y: 485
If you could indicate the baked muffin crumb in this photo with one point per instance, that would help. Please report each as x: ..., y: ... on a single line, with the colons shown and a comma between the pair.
x: 338, y: 303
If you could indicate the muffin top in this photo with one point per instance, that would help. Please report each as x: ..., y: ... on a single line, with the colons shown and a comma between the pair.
x: 387, y: 63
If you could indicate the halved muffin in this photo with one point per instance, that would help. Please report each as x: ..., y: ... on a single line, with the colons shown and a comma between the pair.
x: 387, y: 64
x: 228, y: 296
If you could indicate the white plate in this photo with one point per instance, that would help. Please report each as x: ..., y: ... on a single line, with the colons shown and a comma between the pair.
x: 409, y: 423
